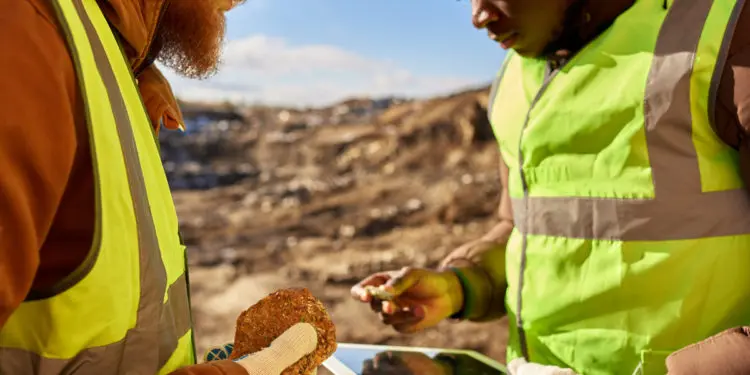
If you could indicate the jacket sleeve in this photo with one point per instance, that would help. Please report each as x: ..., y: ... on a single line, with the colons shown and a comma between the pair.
x: 738, y: 70
x: 225, y: 367
x: 732, y: 114
x: 37, y: 141
x: 723, y: 354
x: 480, y: 264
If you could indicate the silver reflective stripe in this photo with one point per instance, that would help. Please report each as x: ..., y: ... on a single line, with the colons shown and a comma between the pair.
x: 722, y: 213
x: 148, y: 346
x: 673, y: 158
x: 174, y: 322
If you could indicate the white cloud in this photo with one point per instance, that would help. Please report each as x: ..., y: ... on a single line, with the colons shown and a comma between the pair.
x: 265, y: 69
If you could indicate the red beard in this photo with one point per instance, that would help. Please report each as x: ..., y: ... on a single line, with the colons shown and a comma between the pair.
x: 190, y: 36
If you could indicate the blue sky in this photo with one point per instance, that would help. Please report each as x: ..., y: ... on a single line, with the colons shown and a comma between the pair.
x: 314, y: 52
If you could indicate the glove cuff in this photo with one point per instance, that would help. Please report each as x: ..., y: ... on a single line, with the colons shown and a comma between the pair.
x: 295, y: 343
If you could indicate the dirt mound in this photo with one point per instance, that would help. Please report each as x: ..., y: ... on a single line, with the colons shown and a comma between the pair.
x: 320, y: 198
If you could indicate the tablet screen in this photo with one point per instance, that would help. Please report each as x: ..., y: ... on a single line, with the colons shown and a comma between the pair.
x: 376, y: 361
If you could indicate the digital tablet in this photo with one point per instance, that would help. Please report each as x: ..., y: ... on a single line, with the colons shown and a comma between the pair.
x: 361, y: 359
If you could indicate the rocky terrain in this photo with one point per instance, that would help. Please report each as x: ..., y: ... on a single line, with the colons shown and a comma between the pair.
x: 272, y: 198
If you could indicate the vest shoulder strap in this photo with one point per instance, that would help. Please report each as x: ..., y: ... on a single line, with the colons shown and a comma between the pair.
x: 496, y: 85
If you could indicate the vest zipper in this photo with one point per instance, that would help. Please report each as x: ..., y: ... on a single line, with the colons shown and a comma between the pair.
x: 550, y: 73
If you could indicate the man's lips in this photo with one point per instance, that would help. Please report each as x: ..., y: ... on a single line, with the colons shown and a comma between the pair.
x: 507, y: 40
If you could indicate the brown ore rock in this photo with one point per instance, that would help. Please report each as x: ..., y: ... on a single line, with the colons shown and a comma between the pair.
x: 263, y: 322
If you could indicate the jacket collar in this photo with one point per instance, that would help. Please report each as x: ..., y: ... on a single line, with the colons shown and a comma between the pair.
x: 136, y: 22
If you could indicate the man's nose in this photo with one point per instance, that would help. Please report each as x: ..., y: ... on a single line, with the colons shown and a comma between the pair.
x: 482, y: 13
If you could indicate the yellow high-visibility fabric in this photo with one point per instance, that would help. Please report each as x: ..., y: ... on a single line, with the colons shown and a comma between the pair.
x: 632, y: 222
x: 126, y: 309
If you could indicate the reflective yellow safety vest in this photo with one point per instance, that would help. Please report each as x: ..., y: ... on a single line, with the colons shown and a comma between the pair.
x: 632, y: 234
x: 126, y: 309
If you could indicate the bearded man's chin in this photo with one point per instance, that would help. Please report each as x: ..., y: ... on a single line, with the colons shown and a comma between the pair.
x: 184, y: 67
x: 190, y: 37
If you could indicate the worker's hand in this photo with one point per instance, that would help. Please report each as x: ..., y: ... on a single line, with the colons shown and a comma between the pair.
x: 421, y: 297
x: 519, y: 366
x: 296, y: 342
x: 403, y: 363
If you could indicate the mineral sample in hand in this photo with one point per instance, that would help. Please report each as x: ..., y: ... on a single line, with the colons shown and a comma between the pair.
x: 263, y: 322
x: 379, y: 293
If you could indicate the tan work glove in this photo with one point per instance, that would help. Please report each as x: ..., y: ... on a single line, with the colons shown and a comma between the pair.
x: 519, y: 366
x: 296, y: 342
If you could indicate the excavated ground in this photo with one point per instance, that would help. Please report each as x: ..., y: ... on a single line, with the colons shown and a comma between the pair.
x: 322, y: 198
